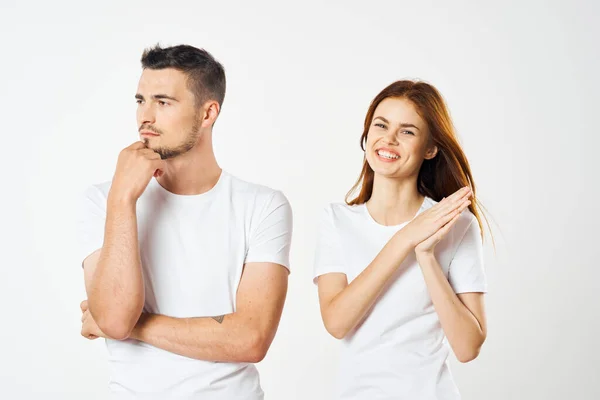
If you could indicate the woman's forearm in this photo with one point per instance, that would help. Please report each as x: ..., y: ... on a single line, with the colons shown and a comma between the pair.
x: 464, y: 332
x: 348, y: 307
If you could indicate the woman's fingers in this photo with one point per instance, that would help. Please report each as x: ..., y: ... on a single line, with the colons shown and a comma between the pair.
x: 442, y: 232
x: 461, y: 196
x: 450, y: 220
x: 453, y: 214
x: 438, y: 216
x: 452, y: 202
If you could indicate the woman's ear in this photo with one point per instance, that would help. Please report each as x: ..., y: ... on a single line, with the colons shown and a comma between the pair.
x: 431, y: 152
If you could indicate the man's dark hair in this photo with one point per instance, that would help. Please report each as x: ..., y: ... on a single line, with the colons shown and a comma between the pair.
x: 206, y: 76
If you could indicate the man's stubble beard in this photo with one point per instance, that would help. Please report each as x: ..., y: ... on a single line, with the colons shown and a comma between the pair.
x: 172, y: 152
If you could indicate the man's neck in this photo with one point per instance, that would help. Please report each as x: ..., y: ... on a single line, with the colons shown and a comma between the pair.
x: 194, y: 172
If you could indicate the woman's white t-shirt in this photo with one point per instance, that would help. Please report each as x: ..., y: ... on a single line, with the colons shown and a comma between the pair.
x: 399, y: 350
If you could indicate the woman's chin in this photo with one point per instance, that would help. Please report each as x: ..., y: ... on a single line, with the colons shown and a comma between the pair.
x: 387, y: 173
x: 393, y: 173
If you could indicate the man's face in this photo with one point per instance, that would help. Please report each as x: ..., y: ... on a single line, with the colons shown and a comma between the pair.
x: 167, y: 116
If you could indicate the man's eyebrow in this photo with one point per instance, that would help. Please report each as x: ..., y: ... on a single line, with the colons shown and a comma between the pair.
x: 163, y: 97
x: 157, y: 97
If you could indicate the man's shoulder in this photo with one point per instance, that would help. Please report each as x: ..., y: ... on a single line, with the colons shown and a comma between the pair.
x: 251, y: 190
x: 97, y: 191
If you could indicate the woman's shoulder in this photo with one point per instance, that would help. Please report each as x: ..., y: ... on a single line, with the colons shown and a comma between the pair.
x: 342, y: 209
x: 467, y: 222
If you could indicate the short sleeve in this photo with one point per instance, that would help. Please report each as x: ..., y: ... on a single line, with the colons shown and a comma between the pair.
x: 90, y: 222
x: 466, y: 273
x: 270, y: 241
x: 328, y: 255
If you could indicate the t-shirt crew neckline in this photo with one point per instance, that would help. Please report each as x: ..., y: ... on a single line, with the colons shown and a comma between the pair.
x: 372, y: 221
x: 190, y: 198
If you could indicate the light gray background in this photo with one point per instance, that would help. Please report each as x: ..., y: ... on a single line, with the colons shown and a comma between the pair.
x: 521, y: 80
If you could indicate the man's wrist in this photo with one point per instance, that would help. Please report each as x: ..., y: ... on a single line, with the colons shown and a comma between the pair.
x: 121, y: 201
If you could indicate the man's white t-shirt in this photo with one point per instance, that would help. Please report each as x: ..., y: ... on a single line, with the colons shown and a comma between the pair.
x: 193, y: 249
x: 399, y: 350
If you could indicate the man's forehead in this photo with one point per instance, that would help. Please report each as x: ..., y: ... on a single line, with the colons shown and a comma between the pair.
x: 162, y: 80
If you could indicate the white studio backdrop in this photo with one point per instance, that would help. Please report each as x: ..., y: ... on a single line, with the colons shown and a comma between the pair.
x: 521, y: 81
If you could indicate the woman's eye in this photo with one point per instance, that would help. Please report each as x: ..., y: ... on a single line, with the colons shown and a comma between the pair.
x: 380, y: 125
x: 408, y: 133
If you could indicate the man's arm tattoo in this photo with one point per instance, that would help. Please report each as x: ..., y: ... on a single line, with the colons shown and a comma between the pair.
x: 219, y: 319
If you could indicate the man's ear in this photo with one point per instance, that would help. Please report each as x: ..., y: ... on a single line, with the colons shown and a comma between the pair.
x: 210, y: 114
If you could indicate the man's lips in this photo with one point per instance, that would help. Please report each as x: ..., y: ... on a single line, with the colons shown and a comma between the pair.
x: 148, y: 133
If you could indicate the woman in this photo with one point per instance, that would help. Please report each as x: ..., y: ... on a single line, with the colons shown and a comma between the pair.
x: 399, y: 267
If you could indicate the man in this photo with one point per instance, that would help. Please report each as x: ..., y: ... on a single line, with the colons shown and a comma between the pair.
x: 185, y: 265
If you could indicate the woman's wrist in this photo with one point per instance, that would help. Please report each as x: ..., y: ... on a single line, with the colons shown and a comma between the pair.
x: 424, y: 257
x: 403, y: 240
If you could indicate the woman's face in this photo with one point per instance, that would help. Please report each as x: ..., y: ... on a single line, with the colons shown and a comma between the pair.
x: 398, y: 139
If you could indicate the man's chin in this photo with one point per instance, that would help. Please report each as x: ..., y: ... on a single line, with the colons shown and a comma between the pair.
x: 157, y: 149
x: 149, y: 142
x: 165, y: 153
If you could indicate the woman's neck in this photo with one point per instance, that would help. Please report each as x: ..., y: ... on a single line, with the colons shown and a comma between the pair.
x: 394, y: 201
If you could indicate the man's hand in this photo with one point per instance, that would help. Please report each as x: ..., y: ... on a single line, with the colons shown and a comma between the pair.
x: 136, y: 165
x: 89, y: 329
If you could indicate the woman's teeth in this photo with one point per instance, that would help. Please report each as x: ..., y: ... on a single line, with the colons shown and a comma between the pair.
x: 388, y: 155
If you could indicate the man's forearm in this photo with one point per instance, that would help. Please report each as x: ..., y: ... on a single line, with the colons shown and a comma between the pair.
x: 228, y: 338
x: 116, y: 294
